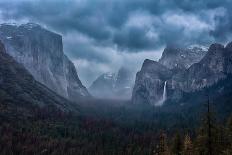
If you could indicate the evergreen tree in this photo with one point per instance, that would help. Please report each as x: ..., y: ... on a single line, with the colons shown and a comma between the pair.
x: 228, y: 150
x: 177, y: 144
x: 229, y: 129
x: 187, y: 146
x: 208, y: 138
x: 162, y: 147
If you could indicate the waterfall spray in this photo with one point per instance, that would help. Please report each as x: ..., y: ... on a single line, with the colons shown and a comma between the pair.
x: 164, y: 96
x: 165, y: 92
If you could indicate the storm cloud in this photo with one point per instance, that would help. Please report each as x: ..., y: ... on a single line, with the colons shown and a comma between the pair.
x: 110, y: 33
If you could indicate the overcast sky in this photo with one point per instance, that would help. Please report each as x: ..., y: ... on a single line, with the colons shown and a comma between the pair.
x: 103, y: 35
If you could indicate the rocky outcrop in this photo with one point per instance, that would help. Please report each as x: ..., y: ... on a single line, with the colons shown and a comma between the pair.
x: 41, y: 52
x: 149, y: 83
x: 113, y: 85
x: 175, y: 57
x: 20, y: 91
x: 214, y: 66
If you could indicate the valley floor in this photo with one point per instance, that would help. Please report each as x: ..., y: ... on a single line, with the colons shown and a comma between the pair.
x: 107, y: 127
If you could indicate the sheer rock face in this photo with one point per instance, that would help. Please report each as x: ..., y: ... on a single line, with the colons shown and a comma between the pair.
x: 114, y: 86
x: 182, y: 58
x: 18, y: 88
x: 149, y: 82
x: 214, y: 66
x: 41, y: 52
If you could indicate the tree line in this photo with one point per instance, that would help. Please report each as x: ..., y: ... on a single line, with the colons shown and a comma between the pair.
x: 210, y: 138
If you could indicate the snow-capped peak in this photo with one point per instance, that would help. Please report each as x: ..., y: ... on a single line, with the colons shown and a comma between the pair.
x: 9, y: 24
x: 109, y: 75
x: 196, y: 46
x: 30, y: 25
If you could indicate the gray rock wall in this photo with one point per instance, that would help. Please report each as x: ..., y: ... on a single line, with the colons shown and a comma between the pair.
x: 41, y: 52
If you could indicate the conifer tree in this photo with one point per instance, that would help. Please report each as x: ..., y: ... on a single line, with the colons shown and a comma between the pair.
x: 229, y: 129
x: 187, y: 146
x: 177, y: 144
x: 162, y: 147
x: 207, y: 142
x: 228, y: 150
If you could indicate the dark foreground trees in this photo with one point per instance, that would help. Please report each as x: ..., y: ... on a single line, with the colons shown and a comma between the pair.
x: 210, y: 138
x: 54, y: 133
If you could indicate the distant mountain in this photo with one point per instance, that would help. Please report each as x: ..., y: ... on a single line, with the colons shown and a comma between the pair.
x: 216, y: 65
x: 153, y: 79
x: 41, y: 53
x: 113, y: 85
x: 103, y: 86
x: 21, y: 92
x: 182, y: 57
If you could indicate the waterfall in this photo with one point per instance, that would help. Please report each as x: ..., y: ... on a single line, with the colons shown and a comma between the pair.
x: 165, y: 92
x: 164, y: 96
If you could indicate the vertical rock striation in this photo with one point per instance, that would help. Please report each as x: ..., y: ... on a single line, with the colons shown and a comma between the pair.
x: 184, y: 70
x: 41, y: 52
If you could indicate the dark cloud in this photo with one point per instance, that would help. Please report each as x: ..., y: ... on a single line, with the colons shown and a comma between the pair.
x: 133, y: 38
x: 127, y: 26
x: 104, y: 20
x: 85, y: 51
x: 223, y: 27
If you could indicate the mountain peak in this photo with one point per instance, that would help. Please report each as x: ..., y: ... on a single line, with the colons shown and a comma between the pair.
x: 113, y: 85
x: 196, y: 46
x: 182, y: 57
x: 26, y: 25
x: 18, y: 85
x: 108, y: 76
x: 41, y: 53
x: 31, y: 26
x: 216, y: 46
x: 147, y: 62
x: 206, y: 68
x: 229, y: 45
